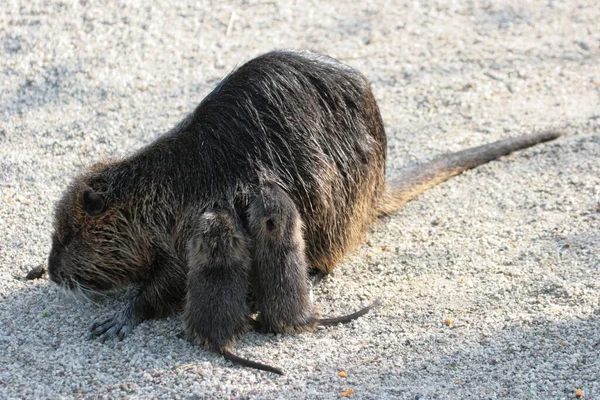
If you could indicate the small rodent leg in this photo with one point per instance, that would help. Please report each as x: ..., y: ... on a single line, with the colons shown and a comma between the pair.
x: 219, y: 261
x: 161, y: 295
x: 280, y: 276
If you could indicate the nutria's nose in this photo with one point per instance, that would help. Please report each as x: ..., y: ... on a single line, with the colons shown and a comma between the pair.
x: 54, y: 264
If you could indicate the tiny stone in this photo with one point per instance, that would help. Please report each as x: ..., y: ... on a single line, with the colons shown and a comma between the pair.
x: 36, y: 272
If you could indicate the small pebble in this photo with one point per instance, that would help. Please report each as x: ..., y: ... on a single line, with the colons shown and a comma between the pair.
x: 36, y: 273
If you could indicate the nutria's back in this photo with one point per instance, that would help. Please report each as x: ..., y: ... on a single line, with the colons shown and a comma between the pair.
x: 301, y: 120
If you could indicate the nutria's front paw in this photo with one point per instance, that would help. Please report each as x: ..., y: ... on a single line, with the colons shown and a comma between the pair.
x: 120, y: 325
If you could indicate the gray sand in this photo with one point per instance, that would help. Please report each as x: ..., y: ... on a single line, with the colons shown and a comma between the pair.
x: 508, y: 252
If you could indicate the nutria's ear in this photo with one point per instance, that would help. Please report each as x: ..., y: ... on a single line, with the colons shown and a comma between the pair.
x: 93, y: 203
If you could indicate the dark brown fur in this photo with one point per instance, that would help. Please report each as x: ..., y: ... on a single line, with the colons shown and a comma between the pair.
x: 273, y: 178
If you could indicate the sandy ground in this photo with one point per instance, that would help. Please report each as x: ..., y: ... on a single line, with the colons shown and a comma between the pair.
x: 508, y: 252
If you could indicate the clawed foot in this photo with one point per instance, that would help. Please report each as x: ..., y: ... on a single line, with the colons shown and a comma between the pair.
x: 119, y: 325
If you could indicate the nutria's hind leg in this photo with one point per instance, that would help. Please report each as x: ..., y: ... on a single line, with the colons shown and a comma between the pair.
x: 219, y: 261
x: 280, y: 274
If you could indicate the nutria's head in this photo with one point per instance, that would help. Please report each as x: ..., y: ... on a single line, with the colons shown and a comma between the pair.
x: 98, y: 243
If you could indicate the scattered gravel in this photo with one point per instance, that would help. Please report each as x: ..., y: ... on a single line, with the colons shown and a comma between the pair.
x: 491, y: 281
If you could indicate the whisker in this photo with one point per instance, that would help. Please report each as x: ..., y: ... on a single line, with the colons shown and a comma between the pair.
x: 71, y: 289
x: 81, y: 294
x: 89, y: 291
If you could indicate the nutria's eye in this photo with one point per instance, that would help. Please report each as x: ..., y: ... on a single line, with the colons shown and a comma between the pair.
x: 270, y: 225
x: 93, y: 203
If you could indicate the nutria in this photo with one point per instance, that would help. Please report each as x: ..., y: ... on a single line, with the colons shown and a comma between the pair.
x: 273, y: 178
